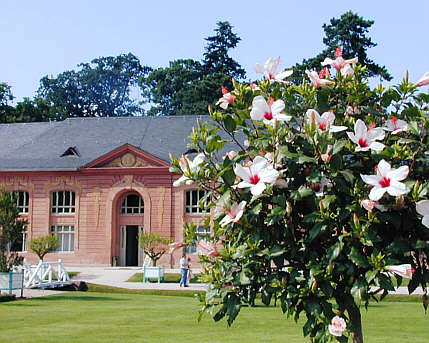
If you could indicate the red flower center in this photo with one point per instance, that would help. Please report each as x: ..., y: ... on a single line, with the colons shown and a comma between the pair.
x: 254, y: 179
x: 268, y: 115
x: 362, y: 142
x: 271, y: 76
x: 384, y: 182
x: 322, y: 126
x: 316, y: 187
x: 231, y: 99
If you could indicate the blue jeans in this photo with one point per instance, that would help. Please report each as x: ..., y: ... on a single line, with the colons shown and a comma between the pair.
x: 184, y: 276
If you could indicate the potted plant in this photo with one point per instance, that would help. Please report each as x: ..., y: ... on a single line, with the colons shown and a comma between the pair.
x: 12, y: 228
x: 154, y: 246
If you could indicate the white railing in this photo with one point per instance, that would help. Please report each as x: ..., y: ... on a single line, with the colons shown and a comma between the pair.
x: 45, y: 274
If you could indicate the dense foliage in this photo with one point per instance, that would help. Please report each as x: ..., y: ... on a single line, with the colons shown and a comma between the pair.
x: 325, y: 189
x: 98, y: 89
x: 43, y: 245
x: 11, y: 229
x: 188, y: 86
x: 350, y: 32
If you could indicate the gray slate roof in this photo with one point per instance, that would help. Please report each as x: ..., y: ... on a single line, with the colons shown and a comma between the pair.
x: 38, y: 146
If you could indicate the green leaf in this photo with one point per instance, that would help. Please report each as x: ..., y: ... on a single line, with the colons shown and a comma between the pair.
x: 326, y: 288
x: 229, y: 177
x: 348, y: 175
x: 338, y: 146
x: 308, y: 326
x: 412, y: 285
x: 358, y: 290
x: 335, y: 250
x: 322, y: 100
x: 358, y: 258
x: 220, y: 314
x: 302, y: 192
x: 266, y: 297
x: 276, y: 251
x: 233, y: 307
x: 385, y: 282
x: 414, y: 127
x: 286, y: 153
x: 316, y: 230
x: 306, y: 159
x: 229, y: 123
x: 244, y: 280
x: 370, y: 275
x: 327, y: 200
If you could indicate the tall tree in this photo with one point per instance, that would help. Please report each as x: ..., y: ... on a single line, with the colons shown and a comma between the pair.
x: 99, y: 89
x: 5, y: 94
x: 188, y: 86
x: 216, y: 58
x: 35, y: 110
x: 5, y: 97
x: 350, y: 32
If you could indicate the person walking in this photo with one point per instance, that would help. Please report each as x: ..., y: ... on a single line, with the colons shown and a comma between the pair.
x: 184, y: 265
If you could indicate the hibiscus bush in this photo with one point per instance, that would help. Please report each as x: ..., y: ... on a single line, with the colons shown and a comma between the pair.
x: 324, y: 192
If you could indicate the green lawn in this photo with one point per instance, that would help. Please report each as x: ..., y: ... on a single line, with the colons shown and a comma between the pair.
x: 109, y: 317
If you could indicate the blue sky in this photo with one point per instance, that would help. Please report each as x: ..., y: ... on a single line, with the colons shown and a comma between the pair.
x: 47, y: 37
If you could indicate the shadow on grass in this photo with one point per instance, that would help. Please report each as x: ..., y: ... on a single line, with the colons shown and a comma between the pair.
x: 109, y: 289
x: 75, y: 297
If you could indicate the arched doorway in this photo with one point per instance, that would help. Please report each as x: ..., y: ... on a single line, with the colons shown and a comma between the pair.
x: 130, y: 212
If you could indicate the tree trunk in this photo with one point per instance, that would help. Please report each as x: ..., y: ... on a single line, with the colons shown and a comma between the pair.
x: 355, y: 318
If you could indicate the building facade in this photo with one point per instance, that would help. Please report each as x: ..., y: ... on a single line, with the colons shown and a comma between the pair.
x: 97, y: 182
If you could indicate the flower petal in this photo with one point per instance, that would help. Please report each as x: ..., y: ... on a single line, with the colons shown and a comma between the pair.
x: 383, y: 168
x: 422, y: 207
x: 376, y: 193
x: 397, y: 188
x: 243, y: 173
x: 425, y: 221
x: 373, y: 180
x: 376, y: 146
x: 258, y: 188
x: 284, y: 74
x: 399, y: 174
x: 327, y: 61
x: 277, y: 106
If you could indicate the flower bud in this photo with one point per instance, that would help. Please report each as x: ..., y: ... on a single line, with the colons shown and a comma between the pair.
x: 314, y: 286
x: 356, y: 220
x: 288, y: 208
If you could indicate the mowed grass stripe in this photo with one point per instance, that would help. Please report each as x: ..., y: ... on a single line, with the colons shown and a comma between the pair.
x: 103, y: 317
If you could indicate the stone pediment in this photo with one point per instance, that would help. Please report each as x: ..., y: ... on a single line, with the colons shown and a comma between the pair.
x: 128, y: 160
x: 127, y: 156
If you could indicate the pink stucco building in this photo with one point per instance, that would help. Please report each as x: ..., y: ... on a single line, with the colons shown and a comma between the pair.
x: 96, y: 182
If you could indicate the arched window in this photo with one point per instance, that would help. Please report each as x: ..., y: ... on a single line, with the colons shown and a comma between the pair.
x: 132, y: 204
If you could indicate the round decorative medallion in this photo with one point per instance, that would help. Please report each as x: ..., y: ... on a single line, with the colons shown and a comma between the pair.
x: 128, y: 160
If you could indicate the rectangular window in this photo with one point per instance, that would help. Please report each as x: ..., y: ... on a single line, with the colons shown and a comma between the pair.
x: 19, y: 245
x: 65, y: 234
x: 63, y: 202
x: 21, y: 201
x: 201, y: 232
x: 193, y: 198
